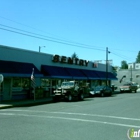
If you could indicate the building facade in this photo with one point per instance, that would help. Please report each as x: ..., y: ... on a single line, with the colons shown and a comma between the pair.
x: 16, y: 65
x: 134, y: 66
x: 132, y: 74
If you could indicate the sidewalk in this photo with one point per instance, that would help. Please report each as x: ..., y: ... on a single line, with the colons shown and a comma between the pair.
x: 31, y: 102
x: 22, y: 103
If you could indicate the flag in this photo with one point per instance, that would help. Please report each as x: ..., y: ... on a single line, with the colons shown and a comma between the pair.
x: 33, y: 84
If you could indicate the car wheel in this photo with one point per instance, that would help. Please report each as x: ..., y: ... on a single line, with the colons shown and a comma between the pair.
x: 110, y: 94
x: 81, y: 96
x: 69, y: 97
x: 55, y: 99
x: 102, y: 94
x: 135, y: 91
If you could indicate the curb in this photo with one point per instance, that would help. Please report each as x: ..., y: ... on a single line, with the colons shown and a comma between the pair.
x: 24, y: 104
x: 6, y: 106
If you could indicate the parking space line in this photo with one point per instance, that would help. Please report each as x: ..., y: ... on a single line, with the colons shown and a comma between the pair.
x: 79, y: 114
x: 73, y: 119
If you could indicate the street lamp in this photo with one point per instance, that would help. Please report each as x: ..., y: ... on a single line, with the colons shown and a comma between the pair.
x: 122, y: 78
x: 131, y: 74
x: 40, y: 48
x: 107, y: 52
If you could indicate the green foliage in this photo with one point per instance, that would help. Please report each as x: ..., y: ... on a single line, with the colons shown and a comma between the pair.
x: 74, y: 55
x: 138, y: 58
x: 124, y: 65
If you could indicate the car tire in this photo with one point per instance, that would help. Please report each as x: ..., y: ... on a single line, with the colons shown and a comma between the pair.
x: 69, y: 98
x: 81, y: 96
x: 110, y: 94
x: 102, y: 94
x: 55, y: 99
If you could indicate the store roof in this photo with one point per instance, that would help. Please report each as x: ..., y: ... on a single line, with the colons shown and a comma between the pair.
x: 55, y: 72
x: 18, y: 69
x: 71, y: 73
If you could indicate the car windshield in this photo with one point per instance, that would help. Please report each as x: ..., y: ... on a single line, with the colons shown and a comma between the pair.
x: 99, y: 87
x: 67, y: 84
x: 134, y: 84
x: 126, y: 84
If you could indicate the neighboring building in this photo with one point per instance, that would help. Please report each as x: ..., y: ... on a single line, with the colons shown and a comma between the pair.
x: 132, y: 74
x: 135, y: 66
x: 16, y: 66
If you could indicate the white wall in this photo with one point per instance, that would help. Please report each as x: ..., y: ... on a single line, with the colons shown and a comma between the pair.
x: 137, y: 66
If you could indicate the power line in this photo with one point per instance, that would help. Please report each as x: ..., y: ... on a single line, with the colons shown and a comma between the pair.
x: 123, y: 50
x: 122, y: 56
x: 101, y: 48
x: 51, y: 40
x: 57, y: 40
x: 55, y: 35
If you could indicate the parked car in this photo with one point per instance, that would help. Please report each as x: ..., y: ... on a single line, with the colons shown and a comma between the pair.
x: 71, y: 89
x: 138, y: 86
x: 101, y: 91
x: 91, y: 92
x: 129, y: 87
x: 114, y: 87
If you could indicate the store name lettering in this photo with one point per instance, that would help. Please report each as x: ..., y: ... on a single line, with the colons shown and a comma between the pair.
x: 69, y: 60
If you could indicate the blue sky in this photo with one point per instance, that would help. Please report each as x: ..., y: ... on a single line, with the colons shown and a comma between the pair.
x: 88, y: 25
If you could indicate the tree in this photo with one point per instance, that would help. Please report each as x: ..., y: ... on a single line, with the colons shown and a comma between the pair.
x: 138, y: 58
x: 74, y: 55
x: 124, y: 65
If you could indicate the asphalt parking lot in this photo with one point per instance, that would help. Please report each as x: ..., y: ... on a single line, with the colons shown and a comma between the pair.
x: 97, y: 118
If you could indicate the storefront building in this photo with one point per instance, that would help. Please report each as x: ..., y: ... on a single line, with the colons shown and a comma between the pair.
x: 16, y: 65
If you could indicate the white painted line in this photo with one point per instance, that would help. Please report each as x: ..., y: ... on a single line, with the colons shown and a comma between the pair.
x: 74, y: 119
x: 8, y: 114
x: 80, y: 114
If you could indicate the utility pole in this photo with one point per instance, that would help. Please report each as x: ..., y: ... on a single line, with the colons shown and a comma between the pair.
x: 131, y: 75
x: 107, y: 65
x: 40, y: 48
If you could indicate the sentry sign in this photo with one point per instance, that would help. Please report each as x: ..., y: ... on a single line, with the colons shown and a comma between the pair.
x: 69, y: 60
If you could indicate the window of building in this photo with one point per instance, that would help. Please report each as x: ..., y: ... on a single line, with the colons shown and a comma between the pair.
x: 45, y: 83
x: 21, y: 83
x: 25, y: 83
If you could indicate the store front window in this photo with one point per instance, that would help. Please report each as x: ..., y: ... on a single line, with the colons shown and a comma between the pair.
x: 45, y: 83
x: 49, y: 85
x: 20, y: 84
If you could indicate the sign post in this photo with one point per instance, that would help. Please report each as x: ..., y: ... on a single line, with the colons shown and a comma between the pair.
x: 1, y: 80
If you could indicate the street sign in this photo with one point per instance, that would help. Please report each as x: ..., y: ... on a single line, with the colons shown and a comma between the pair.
x: 1, y: 78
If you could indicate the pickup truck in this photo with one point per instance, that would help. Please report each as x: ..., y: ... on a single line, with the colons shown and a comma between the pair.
x: 71, y: 89
x: 129, y: 87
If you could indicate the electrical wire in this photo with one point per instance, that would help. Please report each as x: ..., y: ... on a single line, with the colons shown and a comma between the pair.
x: 57, y: 40
x: 101, y: 48
x: 52, y: 40
x: 65, y: 43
